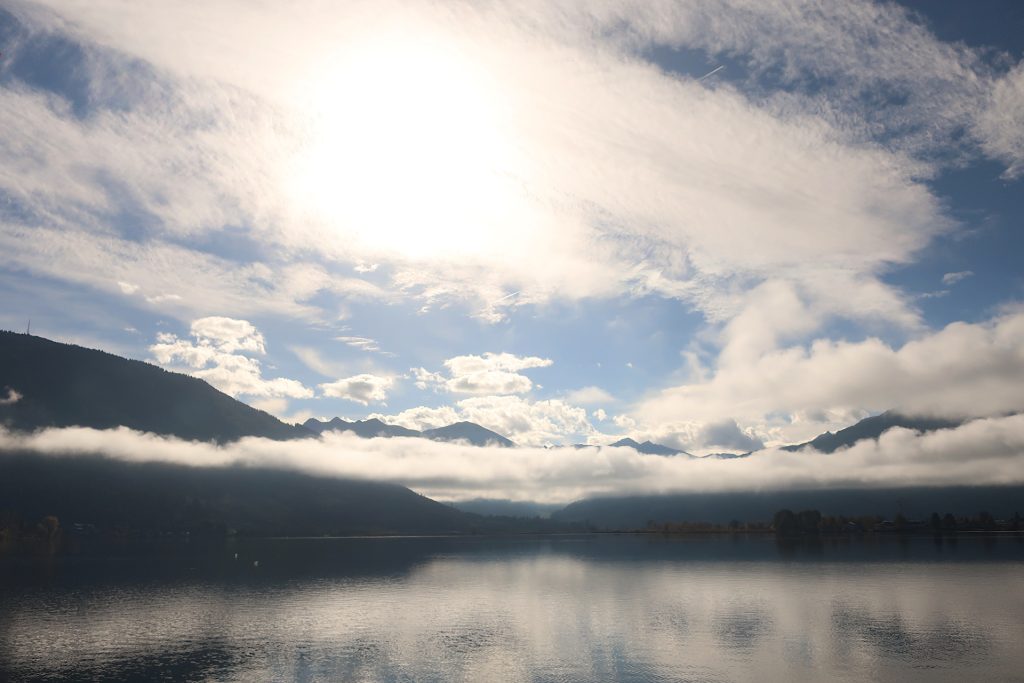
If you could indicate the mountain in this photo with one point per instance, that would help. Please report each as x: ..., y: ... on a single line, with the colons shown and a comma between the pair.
x: 649, y: 447
x: 469, y: 432
x: 634, y: 512
x: 871, y: 428
x: 506, y: 508
x: 364, y: 428
x: 460, y: 431
x: 156, y: 497
x: 63, y: 385
x: 48, y: 384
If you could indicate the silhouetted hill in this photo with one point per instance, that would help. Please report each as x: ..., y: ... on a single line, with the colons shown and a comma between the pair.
x: 871, y: 428
x: 460, y: 431
x: 469, y: 432
x: 153, y: 497
x: 506, y: 508
x: 364, y: 428
x: 634, y: 512
x: 648, y: 447
x: 62, y: 385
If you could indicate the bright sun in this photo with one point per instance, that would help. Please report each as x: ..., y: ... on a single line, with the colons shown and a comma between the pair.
x: 410, y: 151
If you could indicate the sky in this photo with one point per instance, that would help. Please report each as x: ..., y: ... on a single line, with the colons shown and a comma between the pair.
x: 717, y: 225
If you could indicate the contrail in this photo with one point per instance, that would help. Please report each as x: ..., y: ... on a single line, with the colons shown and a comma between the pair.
x: 507, y: 296
x: 711, y: 73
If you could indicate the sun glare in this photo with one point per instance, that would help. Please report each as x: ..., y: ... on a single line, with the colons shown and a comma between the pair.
x: 409, y: 151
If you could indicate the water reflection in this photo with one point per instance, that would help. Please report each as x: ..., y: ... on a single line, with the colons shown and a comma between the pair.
x: 577, y: 609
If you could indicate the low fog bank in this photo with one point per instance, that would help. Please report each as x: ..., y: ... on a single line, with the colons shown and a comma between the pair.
x: 986, y: 452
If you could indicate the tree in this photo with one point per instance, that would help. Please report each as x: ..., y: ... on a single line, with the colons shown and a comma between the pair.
x: 50, y: 526
x: 784, y: 522
x: 809, y: 521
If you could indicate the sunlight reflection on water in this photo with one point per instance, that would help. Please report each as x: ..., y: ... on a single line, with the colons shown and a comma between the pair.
x: 622, y: 609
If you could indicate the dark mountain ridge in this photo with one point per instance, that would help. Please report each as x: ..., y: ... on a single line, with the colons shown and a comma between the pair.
x: 649, y: 447
x: 872, y: 428
x: 367, y: 429
x: 469, y: 432
x: 63, y: 385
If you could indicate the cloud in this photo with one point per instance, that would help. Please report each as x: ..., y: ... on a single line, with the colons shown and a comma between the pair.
x: 127, y: 287
x: 1001, y: 124
x: 526, y: 422
x: 983, y: 452
x: 953, y: 278
x: 274, y: 406
x: 589, y: 396
x: 600, y: 415
x: 315, y: 361
x: 228, y: 335
x: 807, y: 182
x: 361, y: 343
x: 423, y: 417
x: 962, y: 370
x: 623, y: 421
x: 11, y: 398
x: 726, y: 434
x: 363, y: 388
x: 215, y: 356
x: 489, y: 374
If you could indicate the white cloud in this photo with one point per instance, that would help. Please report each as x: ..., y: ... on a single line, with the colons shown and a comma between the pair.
x: 361, y: 343
x: 163, y: 298
x: 275, y: 406
x: 982, y: 452
x: 11, y: 398
x: 589, y: 396
x: 422, y: 417
x: 624, y: 422
x: 215, y: 356
x: 1001, y: 124
x: 228, y: 334
x: 526, y: 422
x: 600, y: 415
x: 127, y: 287
x: 803, y: 183
x: 962, y: 370
x: 365, y: 388
x: 953, y: 278
x: 315, y: 361
x: 728, y: 435
x: 489, y: 374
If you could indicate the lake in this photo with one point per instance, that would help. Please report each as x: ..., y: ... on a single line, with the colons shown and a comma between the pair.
x: 575, y: 608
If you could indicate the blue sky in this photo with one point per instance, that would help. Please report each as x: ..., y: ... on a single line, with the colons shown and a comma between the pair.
x: 543, y: 219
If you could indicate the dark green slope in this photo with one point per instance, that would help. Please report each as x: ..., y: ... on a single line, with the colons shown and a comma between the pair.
x: 62, y: 385
x: 156, y: 497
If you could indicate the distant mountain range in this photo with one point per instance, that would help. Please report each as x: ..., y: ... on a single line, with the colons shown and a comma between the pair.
x: 468, y: 432
x: 829, y: 442
x: 649, y: 447
x: 63, y: 385
x: 871, y: 428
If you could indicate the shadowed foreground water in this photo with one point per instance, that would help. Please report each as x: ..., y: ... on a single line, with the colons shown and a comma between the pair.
x: 591, y: 608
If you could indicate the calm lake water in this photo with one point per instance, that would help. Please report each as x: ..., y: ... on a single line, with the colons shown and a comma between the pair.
x: 588, y: 608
